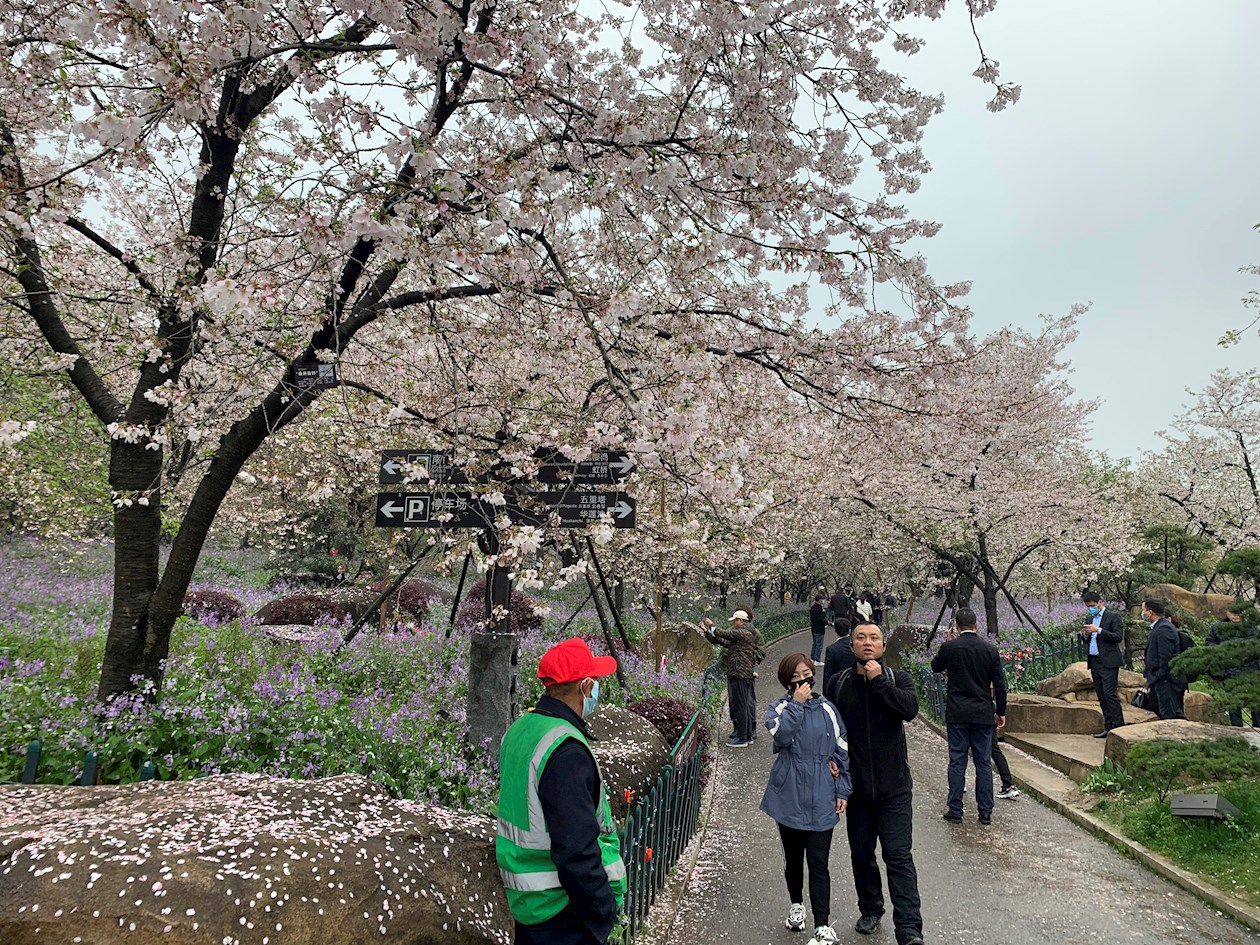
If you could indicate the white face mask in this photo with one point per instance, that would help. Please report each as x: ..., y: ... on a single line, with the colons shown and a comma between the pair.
x: 590, y: 702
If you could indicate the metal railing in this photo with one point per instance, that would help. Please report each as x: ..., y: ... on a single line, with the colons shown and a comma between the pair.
x: 91, y: 766
x: 660, y: 825
x: 1050, y: 659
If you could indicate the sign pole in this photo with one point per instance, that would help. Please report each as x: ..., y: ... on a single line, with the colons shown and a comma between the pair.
x: 660, y: 568
x: 492, y: 659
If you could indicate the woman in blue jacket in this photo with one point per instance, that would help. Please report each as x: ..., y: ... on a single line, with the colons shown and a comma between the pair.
x: 809, y: 785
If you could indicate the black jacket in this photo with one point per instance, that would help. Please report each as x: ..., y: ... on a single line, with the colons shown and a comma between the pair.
x: 840, y: 606
x: 874, y: 715
x: 839, y: 657
x: 975, y: 670
x: 1162, y: 647
x: 569, y: 792
x: 818, y: 619
x: 1110, y: 639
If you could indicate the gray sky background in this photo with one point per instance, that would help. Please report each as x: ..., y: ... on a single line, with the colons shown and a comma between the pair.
x: 1127, y: 176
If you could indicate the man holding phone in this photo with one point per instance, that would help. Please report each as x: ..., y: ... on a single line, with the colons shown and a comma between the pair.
x: 1103, y: 634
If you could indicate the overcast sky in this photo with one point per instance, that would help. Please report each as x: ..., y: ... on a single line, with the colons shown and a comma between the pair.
x: 1127, y: 176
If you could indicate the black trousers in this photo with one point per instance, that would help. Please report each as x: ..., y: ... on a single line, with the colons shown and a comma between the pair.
x: 810, y: 848
x: 888, y: 820
x: 1107, y: 688
x: 999, y: 762
x: 565, y: 928
x: 742, y: 695
x: 1169, y: 699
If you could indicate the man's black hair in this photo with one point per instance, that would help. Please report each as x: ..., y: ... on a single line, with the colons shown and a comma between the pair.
x: 965, y: 617
x: 843, y: 627
x: 1091, y: 597
x: 1156, y: 606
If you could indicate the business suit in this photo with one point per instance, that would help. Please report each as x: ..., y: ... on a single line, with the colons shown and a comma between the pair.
x: 1162, y: 647
x: 1104, y: 666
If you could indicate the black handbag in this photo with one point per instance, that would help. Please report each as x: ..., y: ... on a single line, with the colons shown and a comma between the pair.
x: 1142, y: 699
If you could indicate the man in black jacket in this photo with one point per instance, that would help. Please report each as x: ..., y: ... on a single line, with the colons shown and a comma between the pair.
x: 839, y: 657
x: 818, y: 626
x: 875, y: 703
x: 1103, y: 634
x: 1162, y: 647
x: 841, y: 607
x: 976, y: 682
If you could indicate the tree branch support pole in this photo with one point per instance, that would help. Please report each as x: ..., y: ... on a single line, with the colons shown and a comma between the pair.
x: 608, y: 595
x: 659, y: 643
x: 493, y: 655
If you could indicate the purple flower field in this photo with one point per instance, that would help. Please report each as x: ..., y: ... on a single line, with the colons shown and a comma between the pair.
x: 389, y: 706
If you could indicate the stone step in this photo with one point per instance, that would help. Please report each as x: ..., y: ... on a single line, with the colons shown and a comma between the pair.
x: 1073, y: 755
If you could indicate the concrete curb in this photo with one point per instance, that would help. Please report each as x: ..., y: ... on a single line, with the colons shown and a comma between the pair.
x: 1058, y: 792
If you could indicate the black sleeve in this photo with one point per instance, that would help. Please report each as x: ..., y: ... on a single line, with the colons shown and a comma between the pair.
x: 1113, y: 632
x: 566, y: 791
x: 896, y: 697
x: 939, y: 661
x: 830, y: 666
x: 999, y: 684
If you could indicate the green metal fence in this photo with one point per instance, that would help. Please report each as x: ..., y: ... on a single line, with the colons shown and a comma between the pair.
x: 659, y: 826
x: 91, y: 766
x: 1050, y: 659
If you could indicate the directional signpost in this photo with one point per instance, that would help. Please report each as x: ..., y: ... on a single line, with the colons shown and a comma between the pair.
x: 603, y: 468
x: 469, y: 510
x: 492, y: 652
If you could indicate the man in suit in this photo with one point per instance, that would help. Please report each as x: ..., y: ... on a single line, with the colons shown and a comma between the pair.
x: 1104, y: 635
x: 1162, y: 647
x: 977, y: 699
x: 839, y: 657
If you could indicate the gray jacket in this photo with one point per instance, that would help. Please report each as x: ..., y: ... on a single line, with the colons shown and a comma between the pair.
x: 802, y: 793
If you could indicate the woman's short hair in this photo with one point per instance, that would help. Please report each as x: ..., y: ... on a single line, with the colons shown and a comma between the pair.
x: 787, y: 667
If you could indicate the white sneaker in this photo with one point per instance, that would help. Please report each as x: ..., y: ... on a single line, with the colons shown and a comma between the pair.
x: 1009, y: 794
x: 796, y: 917
x: 824, y: 935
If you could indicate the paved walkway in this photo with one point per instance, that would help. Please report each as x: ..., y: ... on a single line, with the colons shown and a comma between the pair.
x: 1031, y: 878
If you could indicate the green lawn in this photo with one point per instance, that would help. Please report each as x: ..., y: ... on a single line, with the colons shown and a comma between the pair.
x: 1225, y: 853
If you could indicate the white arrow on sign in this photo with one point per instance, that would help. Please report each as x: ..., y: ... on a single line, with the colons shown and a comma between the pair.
x: 389, y: 508
x: 622, y: 466
x: 622, y: 509
x: 390, y: 466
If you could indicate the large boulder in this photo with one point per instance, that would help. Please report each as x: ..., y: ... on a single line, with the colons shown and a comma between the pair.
x: 684, y: 646
x: 244, y: 859
x: 630, y: 750
x: 1076, y: 678
x: 1030, y: 714
x: 1201, y: 605
x: 1120, y: 740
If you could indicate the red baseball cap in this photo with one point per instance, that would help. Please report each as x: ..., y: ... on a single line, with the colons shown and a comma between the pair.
x: 573, y: 660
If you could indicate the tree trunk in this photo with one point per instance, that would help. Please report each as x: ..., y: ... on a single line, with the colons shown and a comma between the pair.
x: 759, y: 589
x: 990, y: 593
x: 136, y: 644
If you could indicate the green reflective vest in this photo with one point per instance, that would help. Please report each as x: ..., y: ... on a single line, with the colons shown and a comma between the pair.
x: 523, y: 845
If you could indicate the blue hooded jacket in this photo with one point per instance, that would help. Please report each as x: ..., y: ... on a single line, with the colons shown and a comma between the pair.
x: 807, y: 735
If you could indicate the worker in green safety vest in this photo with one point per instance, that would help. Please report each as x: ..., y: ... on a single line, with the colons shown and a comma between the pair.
x: 557, y: 845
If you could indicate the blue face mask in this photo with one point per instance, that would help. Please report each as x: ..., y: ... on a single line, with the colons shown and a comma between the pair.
x: 590, y: 702
x: 1094, y: 611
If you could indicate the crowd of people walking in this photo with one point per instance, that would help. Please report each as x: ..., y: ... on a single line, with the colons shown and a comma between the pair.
x: 839, y: 750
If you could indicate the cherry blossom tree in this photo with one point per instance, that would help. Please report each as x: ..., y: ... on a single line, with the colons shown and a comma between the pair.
x: 999, y: 484
x: 489, y: 216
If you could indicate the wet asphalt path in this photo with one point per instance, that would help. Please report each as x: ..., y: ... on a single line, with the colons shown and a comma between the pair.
x: 1031, y: 878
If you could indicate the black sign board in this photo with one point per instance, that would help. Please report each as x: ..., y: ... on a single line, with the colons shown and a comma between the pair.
x: 603, y: 468
x: 315, y: 375
x: 437, y: 462
x: 469, y: 510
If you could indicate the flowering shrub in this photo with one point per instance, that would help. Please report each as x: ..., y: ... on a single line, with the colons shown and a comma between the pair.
x: 208, y: 605
x: 390, y: 707
x: 410, y: 598
x: 522, y: 610
x: 306, y: 607
x: 670, y: 716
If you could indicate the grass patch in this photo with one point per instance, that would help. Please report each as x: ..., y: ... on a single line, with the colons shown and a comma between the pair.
x: 1225, y: 853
